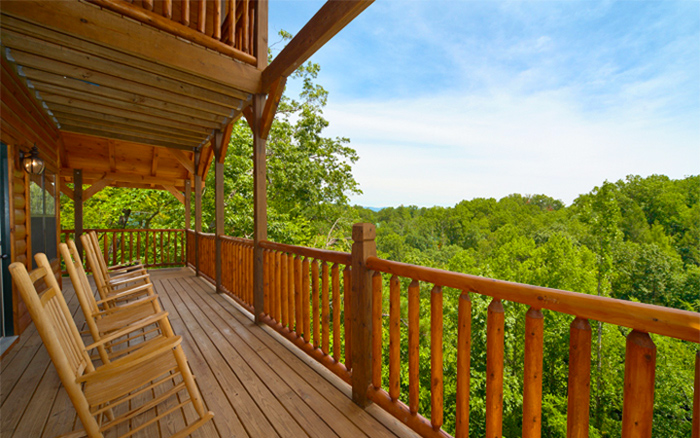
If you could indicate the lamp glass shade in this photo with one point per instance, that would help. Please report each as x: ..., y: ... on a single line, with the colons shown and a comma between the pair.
x: 33, y: 164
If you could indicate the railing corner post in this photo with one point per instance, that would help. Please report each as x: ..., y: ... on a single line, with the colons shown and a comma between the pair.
x: 363, y: 247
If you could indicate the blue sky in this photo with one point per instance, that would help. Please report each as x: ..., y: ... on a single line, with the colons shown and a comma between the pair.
x: 452, y: 100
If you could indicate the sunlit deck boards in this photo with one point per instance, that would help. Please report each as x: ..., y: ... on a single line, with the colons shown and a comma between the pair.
x: 255, y: 386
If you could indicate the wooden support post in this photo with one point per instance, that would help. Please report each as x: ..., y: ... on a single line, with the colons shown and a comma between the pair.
x: 363, y: 247
x: 638, y: 396
x: 78, y: 201
x: 219, y: 204
x: 259, y: 205
x: 188, y: 209
x: 197, y: 207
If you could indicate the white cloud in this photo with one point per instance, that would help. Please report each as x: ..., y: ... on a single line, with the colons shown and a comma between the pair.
x: 440, y: 150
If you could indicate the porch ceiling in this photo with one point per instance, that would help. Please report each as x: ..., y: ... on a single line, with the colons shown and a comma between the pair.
x: 125, y: 120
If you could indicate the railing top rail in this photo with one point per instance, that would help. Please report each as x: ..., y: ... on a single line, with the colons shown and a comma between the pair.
x: 649, y: 318
x: 119, y: 230
x: 237, y: 240
x: 342, y: 258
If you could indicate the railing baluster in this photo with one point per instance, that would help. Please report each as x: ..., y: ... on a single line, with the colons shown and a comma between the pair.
x: 246, y: 6
x: 185, y: 12
x: 298, y: 328
x: 305, y: 299
x: 464, y: 344
x: 147, y: 4
x: 347, y: 290
x: 638, y: 397
x: 579, y: 379
x: 292, y: 293
x: 324, y: 308
x: 161, y: 247
x: 377, y: 329
x: 131, y: 246
x: 168, y: 9
x: 314, y: 302
x: 121, y: 244
x: 105, y: 248
x: 216, y: 32
x: 413, y: 345
x: 394, y: 337
x: 436, y: 383
x: 532, y: 385
x: 335, y: 275
x: 494, y: 369
x: 114, y: 248
x: 278, y: 286
x: 202, y: 16
x: 285, y: 284
x: 266, y: 282
x: 231, y: 23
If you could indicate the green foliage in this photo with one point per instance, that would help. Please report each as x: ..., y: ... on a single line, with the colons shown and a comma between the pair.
x: 635, y: 239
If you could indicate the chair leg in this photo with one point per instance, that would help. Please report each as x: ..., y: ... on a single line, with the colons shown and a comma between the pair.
x: 189, y: 381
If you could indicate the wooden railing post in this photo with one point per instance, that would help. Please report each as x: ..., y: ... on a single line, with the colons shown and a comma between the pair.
x: 197, y: 207
x: 78, y: 206
x: 188, y: 209
x: 363, y: 247
x: 218, y: 204
x: 259, y: 205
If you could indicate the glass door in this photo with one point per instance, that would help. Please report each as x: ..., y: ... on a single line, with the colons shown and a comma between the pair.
x: 6, y: 325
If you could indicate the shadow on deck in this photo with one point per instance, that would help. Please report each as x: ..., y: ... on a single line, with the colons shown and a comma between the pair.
x: 251, y: 378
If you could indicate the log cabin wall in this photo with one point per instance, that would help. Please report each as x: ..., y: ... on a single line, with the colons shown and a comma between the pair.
x: 24, y: 124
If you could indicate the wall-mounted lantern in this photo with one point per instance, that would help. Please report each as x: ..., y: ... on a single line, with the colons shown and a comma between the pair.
x: 31, y: 161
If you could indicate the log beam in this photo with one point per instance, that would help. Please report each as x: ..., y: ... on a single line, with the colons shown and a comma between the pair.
x: 333, y: 16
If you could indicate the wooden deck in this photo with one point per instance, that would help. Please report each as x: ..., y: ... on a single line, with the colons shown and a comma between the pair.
x: 252, y: 379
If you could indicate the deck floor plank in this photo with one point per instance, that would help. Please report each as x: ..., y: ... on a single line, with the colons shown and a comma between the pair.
x: 251, y: 380
x: 283, y: 422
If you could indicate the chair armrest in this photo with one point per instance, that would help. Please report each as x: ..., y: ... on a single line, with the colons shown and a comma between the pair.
x: 123, y: 293
x: 120, y: 282
x: 128, y: 329
x: 128, y: 305
x: 131, y: 360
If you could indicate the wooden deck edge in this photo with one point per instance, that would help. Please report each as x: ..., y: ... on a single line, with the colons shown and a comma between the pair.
x: 6, y: 349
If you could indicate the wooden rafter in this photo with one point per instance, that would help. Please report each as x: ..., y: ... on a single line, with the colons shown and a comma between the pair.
x: 127, y: 178
x: 225, y: 140
x: 333, y: 16
x: 130, y: 138
x: 182, y: 159
x: 66, y: 190
x: 271, y: 104
x: 95, y: 188
x: 176, y: 193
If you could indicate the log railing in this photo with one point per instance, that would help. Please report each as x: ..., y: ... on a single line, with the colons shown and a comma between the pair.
x: 638, y: 393
x: 225, y: 26
x: 155, y: 248
x: 308, y: 295
x: 236, y: 260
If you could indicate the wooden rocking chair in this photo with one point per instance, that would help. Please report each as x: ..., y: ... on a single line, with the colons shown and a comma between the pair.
x: 116, y: 324
x: 159, y: 370
x: 133, y: 267
x: 107, y: 287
